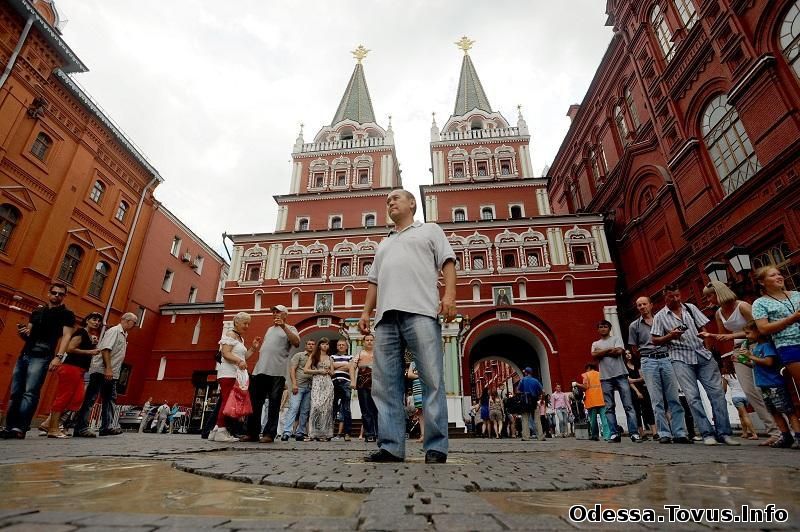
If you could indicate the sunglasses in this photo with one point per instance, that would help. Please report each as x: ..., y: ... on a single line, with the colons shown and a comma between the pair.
x: 57, y: 294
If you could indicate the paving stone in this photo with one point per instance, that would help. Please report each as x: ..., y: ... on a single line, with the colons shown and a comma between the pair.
x: 39, y: 527
x: 407, y: 522
x: 257, y: 524
x: 192, y: 520
x: 326, y: 523
x: 120, y: 519
x: 107, y: 528
x: 532, y: 522
x: 5, y: 514
x: 53, y: 517
x: 477, y: 523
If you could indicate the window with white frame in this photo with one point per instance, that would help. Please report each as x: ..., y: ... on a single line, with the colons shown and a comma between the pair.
x: 687, y: 12
x: 166, y: 283
x: 197, y: 265
x: 622, y: 127
x: 98, y: 189
x: 366, y: 267
x: 482, y: 168
x: 192, y: 294
x: 509, y: 259
x: 318, y: 180
x: 315, y: 269
x: 534, y: 257
x: 336, y: 222
x: 176, y: 246
x: 340, y: 179
x: 631, y: 105
x: 505, y: 166
x: 369, y: 220
x: 790, y: 37
x: 252, y: 272
x: 458, y: 170
x: 479, y: 261
x: 302, y: 224
x: 363, y: 176
x: 293, y: 270
x: 460, y: 215
x: 516, y: 211
x: 122, y: 210
x: 663, y: 35
x: 487, y: 212
x: 41, y: 146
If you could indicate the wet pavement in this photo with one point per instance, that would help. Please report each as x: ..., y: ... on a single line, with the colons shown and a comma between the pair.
x: 151, y: 482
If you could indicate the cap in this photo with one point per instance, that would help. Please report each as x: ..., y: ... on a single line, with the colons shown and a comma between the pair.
x: 528, y: 370
x: 280, y: 308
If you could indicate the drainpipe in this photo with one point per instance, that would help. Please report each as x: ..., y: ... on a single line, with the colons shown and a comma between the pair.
x: 13, y: 58
x: 125, y: 252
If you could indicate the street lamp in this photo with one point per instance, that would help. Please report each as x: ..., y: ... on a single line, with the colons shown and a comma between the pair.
x: 717, y: 271
x: 739, y: 257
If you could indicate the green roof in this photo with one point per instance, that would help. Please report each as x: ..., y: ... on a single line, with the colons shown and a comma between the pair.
x: 356, y: 104
x: 470, y: 91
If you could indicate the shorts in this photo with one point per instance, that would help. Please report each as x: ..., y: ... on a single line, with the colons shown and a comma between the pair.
x: 495, y: 417
x: 776, y: 399
x: 789, y: 354
x: 740, y: 402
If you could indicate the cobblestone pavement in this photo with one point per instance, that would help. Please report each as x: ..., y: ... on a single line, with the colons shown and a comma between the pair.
x: 126, y: 483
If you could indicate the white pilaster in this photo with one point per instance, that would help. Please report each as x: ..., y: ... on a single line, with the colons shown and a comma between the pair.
x: 601, y: 244
x: 280, y: 223
x: 295, y: 185
x: 610, y: 313
x: 236, y: 263
x: 273, y: 261
x: 555, y: 241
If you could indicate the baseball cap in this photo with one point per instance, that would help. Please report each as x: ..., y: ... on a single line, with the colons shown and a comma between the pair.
x: 280, y: 308
x: 528, y: 370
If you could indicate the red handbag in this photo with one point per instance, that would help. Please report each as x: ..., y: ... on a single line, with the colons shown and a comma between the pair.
x: 238, y: 402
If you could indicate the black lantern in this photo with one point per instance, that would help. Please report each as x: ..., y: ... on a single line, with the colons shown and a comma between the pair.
x: 739, y: 257
x: 717, y: 271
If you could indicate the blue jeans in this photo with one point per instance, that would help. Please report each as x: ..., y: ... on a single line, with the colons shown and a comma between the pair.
x: 26, y: 383
x: 662, y: 383
x: 620, y: 384
x: 299, y: 403
x: 369, y: 412
x: 422, y: 335
x: 107, y: 390
x: 707, y: 372
x: 341, y: 404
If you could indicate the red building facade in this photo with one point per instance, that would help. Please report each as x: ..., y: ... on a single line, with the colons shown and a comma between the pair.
x: 687, y: 140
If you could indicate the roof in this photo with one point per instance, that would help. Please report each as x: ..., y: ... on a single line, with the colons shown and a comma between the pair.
x: 470, y: 91
x: 356, y: 104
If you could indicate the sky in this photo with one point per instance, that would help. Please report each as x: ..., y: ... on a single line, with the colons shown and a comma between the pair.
x: 213, y: 93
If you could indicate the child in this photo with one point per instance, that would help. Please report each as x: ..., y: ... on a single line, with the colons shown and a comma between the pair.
x: 738, y: 398
x: 766, y: 373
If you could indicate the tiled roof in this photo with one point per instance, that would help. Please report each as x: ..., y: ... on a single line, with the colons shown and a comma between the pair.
x: 470, y: 91
x: 356, y: 104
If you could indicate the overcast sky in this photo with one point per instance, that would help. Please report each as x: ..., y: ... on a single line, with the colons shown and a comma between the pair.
x: 213, y: 92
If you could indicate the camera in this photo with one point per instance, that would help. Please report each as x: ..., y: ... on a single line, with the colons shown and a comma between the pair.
x: 683, y: 328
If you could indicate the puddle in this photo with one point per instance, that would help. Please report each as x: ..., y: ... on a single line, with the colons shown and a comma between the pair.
x: 709, y: 486
x: 156, y: 488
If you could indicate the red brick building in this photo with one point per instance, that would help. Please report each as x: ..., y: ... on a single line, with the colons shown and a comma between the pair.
x: 531, y: 286
x: 688, y: 139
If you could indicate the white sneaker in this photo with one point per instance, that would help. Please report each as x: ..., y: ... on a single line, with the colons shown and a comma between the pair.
x: 728, y: 440
x: 224, y: 436
x: 709, y: 440
x: 213, y: 434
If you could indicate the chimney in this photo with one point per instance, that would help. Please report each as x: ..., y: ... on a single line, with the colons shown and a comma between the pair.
x: 572, y: 111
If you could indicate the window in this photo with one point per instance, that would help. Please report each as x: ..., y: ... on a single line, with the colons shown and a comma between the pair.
x: 487, y: 213
x: 344, y: 269
x: 595, y: 166
x: 197, y: 265
x: 622, y: 127
x: 459, y: 215
x: 687, y: 12
x: 176, y: 246
x: 662, y: 33
x: 369, y: 220
x: 122, y: 210
x: 533, y: 258
x: 505, y: 167
x: 166, y: 284
x: 41, y: 146
x: 728, y: 144
x: 479, y: 262
x: 9, y: 219
x: 632, y: 107
x: 252, y: 272
x: 778, y: 256
x: 72, y: 259
x: 790, y: 37
x: 315, y: 270
x: 516, y: 212
x: 294, y: 271
x: 319, y: 180
x: 509, y: 260
x: 458, y: 170
x: 99, y: 277
x: 580, y: 256
x: 341, y: 179
x: 336, y: 222
x: 603, y: 160
x: 302, y: 224
x: 98, y: 189
x: 192, y: 294
x: 363, y: 177
x: 483, y: 168
x: 365, y: 268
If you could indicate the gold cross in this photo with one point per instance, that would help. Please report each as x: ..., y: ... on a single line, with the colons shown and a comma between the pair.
x: 465, y: 44
x: 360, y: 53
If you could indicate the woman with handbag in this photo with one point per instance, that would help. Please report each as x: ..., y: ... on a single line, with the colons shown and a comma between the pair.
x: 233, y: 357
x: 363, y: 379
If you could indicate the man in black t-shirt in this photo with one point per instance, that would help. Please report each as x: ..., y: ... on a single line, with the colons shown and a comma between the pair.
x: 48, y: 331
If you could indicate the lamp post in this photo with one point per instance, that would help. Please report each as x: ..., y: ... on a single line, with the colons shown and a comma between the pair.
x: 739, y: 259
x: 717, y: 271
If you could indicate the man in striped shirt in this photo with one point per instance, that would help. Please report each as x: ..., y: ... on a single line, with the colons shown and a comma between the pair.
x: 342, y: 362
x: 677, y: 326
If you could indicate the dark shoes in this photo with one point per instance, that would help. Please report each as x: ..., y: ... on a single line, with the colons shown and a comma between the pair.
x: 667, y: 439
x: 247, y: 438
x: 382, y: 456
x: 615, y: 438
x: 85, y: 433
x: 435, y: 457
x: 285, y: 437
x: 682, y: 439
x: 370, y: 439
x: 11, y: 434
x: 266, y: 439
x: 110, y: 432
x: 300, y: 438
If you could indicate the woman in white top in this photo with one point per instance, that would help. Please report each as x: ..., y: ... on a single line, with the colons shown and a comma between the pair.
x: 234, y: 357
x: 731, y: 316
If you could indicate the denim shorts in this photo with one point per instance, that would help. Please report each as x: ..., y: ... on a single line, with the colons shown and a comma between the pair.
x: 740, y: 402
x: 777, y: 399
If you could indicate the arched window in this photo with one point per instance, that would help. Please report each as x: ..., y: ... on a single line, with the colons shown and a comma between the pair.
x: 294, y: 271
x: 99, y: 277
x: 344, y: 269
x: 632, y: 108
x: 302, y: 224
x: 687, y: 12
x: 459, y: 215
x: 98, y: 189
x: 122, y: 210
x: 728, y: 144
x: 509, y: 260
x: 9, y: 219
x: 516, y: 212
x: 622, y: 127
x: 662, y: 33
x: 365, y: 268
x: 369, y: 220
x: 336, y: 222
x: 487, y: 213
x: 41, y: 146
x: 790, y: 37
x: 595, y: 166
x: 72, y: 259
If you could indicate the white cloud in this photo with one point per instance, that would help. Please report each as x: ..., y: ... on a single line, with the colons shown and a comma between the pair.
x: 214, y: 94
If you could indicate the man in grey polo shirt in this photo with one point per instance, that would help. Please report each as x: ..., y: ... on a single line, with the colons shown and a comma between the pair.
x: 658, y: 376
x: 269, y: 376
x: 610, y: 353
x: 403, y: 283
x: 677, y: 326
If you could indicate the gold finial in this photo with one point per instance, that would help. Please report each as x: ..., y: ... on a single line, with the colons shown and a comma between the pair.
x: 360, y: 53
x: 465, y: 44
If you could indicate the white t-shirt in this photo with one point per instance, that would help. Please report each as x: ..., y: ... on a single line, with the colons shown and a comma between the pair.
x: 225, y: 368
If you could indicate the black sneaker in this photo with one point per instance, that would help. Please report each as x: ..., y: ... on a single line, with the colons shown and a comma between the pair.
x: 435, y: 457
x: 615, y: 438
x: 667, y: 439
x: 682, y: 439
x: 785, y: 442
x: 384, y: 456
x: 85, y: 433
x: 300, y: 438
x: 285, y: 437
